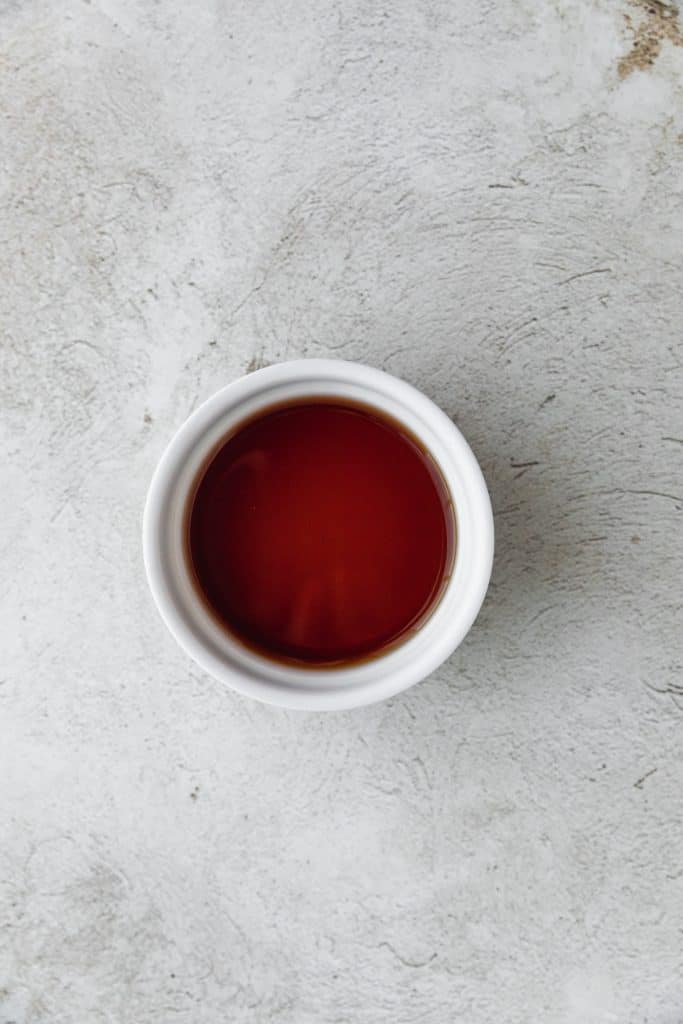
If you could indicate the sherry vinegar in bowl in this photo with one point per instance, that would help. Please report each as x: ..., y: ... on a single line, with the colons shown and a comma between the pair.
x: 318, y: 535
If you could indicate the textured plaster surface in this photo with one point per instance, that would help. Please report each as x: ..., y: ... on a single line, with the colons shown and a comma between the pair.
x: 483, y: 197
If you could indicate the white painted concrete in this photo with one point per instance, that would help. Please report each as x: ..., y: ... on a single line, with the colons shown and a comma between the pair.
x: 466, y: 194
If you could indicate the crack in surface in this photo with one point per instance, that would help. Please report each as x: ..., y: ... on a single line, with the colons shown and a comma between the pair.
x: 586, y: 273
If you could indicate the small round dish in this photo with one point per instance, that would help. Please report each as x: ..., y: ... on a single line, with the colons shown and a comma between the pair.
x: 294, y: 686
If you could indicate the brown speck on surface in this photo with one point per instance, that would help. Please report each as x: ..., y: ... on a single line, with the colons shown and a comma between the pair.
x: 659, y: 22
x: 256, y: 363
x: 147, y: 418
x: 635, y: 539
x: 195, y: 793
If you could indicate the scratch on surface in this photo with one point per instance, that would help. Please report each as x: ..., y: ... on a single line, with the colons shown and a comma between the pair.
x: 79, y: 341
x: 421, y: 765
x: 660, y: 23
x: 404, y: 960
x: 538, y: 615
x: 384, y: 790
x: 673, y: 691
x: 517, y: 336
x: 522, y: 467
x: 354, y: 60
x: 656, y: 494
x: 506, y: 511
x: 609, y: 492
x: 55, y: 515
x: 252, y: 291
x: 674, y: 440
x: 515, y: 182
x: 585, y: 273
x: 641, y: 780
x: 397, y: 352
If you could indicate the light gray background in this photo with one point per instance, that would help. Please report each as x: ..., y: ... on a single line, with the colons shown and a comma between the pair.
x: 485, y: 198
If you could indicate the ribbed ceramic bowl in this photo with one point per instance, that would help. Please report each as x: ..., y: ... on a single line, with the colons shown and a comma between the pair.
x: 221, y: 654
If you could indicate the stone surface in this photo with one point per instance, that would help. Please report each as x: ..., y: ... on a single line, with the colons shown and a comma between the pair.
x: 485, y: 198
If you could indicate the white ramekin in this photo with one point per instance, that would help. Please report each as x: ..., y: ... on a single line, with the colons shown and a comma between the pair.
x: 293, y: 686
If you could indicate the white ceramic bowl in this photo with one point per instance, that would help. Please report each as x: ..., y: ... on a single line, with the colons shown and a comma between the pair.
x: 293, y: 686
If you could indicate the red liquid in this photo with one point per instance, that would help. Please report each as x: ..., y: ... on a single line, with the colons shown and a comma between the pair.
x: 321, y: 532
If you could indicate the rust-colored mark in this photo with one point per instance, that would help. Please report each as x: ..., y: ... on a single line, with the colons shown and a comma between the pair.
x: 659, y: 22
